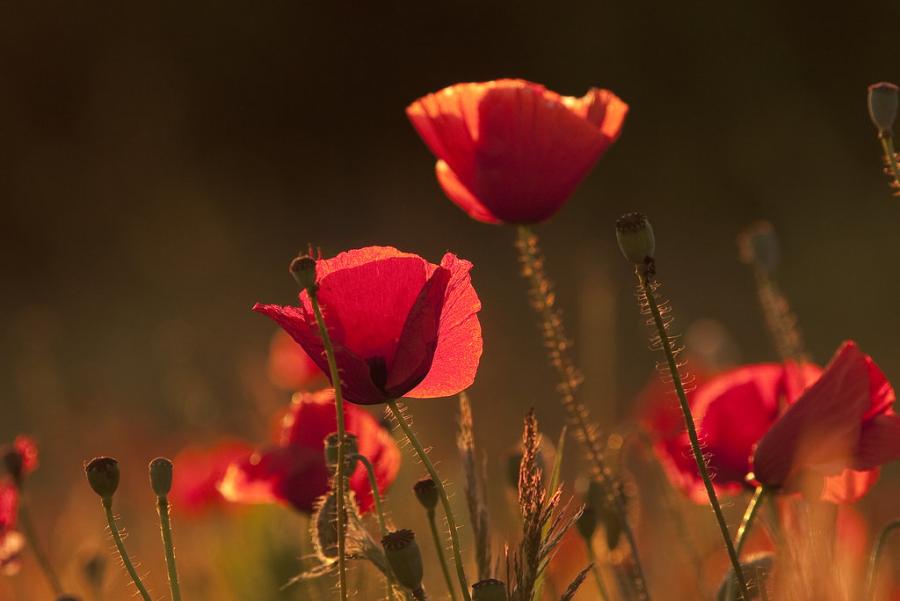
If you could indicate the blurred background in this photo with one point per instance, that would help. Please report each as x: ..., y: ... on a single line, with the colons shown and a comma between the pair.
x: 160, y: 165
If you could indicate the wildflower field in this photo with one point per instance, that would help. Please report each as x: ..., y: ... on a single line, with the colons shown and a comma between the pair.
x: 360, y: 303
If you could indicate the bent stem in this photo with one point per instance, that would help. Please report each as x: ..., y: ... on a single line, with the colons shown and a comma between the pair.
x: 877, y: 551
x: 165, y: 527
x: 123, y: 553
x: 543, y: 301
x: 379, y: 510
x: 666, y: 345
x: 445, y: 501
x: 37, y: 549
x: 340, y: 476
x: 439, y: 548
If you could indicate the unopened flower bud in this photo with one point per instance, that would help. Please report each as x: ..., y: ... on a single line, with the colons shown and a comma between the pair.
x: 758, y: 245
x: 351, y: 448
x: 103, y: 476
x: 883, y: 105
x: 161, y: 476
x: 303, y: 269
x: 427, y: 493
x: 635, y: 236
x: 587, y: 523
x: 490, y: 589
x: 404, y: 557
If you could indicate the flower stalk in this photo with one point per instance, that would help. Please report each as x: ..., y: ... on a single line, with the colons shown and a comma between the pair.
x: 123, y: 552
x: 543, y: 301
x: 442, y: 493
x: 161, y: 483
x: 379, y: 510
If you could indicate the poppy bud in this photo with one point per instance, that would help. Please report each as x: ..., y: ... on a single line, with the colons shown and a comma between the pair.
x: 883, y: 106
x: 351, y: 448
x: 758, y: 245
x: 427, y: 493
x: 161, y: 476
x: 15, y: 465
x: 303, y: 269
x: 490, y: 589
x: 587, y: 523
x: 404, y: 557
x: 635, y: 236
x: 103, y: 476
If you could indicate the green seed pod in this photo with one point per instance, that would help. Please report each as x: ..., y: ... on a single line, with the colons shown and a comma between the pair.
x: 161, y: 476
x: 635, y: 236
x: 490, y: 589
x: 404, y: 557
x: 103, y: 476
x: 303, y: 269
x: 351, y: 448
x: 883, y: 98
x: 427, y: 493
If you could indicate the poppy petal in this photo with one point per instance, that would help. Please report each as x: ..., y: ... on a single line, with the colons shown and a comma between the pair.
x: 849, y: 486
x: 879, y: 442
x: 461, y: 195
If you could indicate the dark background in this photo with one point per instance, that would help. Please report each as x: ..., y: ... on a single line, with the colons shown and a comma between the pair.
x: 161, y: 164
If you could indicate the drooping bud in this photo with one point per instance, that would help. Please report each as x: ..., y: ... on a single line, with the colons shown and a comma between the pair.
x: 103, y: 476
x: 758, y: 245
x: 635, y: 237
x: 883, y: 98
x: 303, y: 270
x: 587, y: 523
x: 404, y: 557
x: 427, y: 493
x: 490, y: 589
x: 351, y: 448
x: 161, y: 476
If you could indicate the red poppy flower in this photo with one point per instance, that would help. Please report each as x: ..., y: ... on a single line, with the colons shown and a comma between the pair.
x: 198, y: 472
x: 11, y: 541
x: 513, y: 151
x: 731, y: 411
x: 294, y: 472
x: 401, y: 326
x: 290, y: 368
x: 836, y: 435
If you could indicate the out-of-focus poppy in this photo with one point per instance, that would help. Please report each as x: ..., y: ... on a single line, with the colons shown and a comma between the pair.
x: 832, y: 440
x: 197, y: 473
x: 293, y: 471
x: 290, y: 368
x: 401, y: 326
x: 20, y: 459
x: 512, y: 151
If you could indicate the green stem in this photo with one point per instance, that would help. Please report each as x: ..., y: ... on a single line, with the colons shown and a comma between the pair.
x: 692, y: 432
x: 890, y: 157
x: 756, y: 502
x: 339, y: 476
x: 445, y: 501
x: 877, y: 550
x: 379, y: 510
x: 595, y: 570
x: 34, y: 544
x: 165, y: 527
x: 543, y: 301
x: 120, y: 546
x: 439, y: 548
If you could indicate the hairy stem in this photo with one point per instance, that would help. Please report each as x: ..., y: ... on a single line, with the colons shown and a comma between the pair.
x: 445, y: 501
x: 544, y: 302
x: 36, y: 548
x: 379, y: 511
x: 877, y: 551
x: 439, y: 549
x: 340, y: 476
x: 666, y: 345
x: 165, y: 527
x: 123, y: 553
